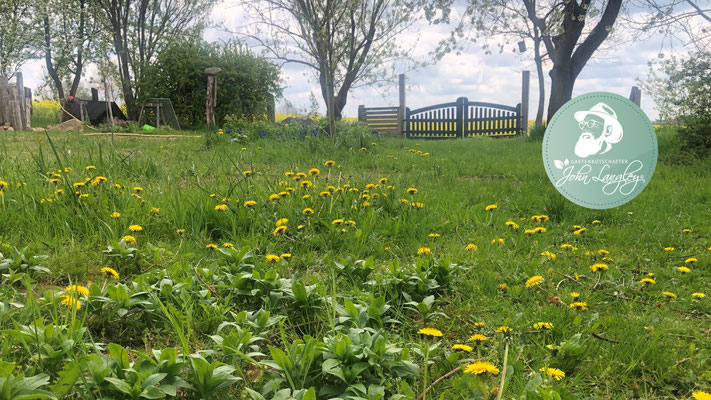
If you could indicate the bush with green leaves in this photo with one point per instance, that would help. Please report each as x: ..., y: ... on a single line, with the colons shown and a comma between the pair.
x: 246, y: 85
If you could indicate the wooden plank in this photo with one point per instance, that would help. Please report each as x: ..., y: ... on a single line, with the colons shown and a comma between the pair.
x: 524, y: 101
x: 27, y: 99
x: 20, y: 89
x: 4, y: 107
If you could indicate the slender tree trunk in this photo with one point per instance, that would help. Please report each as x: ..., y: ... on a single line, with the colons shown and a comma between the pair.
x: 48, y: 59
x: 541, y: 82
x: 125, y: 76
x: 79, y: 64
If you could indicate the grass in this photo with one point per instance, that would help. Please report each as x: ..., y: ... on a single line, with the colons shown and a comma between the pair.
x: 632, y: 341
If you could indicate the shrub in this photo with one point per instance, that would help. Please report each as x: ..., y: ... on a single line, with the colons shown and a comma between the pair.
x: 246, y: 86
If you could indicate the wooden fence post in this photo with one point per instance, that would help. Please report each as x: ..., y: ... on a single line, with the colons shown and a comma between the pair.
x: 3, y: 100
x: 401, y: 108
x: 636, y: 95
x: 361, y: 113
x: 526, y: 77
x: 20, y: 85
x: 462, y: 104
x: 27, y: 100
x: 211, y: 98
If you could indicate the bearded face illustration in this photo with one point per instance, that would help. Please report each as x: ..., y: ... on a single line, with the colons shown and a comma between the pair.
x: 600, y: 130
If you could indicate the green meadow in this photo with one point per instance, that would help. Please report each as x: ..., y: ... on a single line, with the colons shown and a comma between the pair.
x: 255, y: 269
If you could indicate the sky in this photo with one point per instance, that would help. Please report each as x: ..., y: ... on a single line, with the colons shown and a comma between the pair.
x: 473, y: 74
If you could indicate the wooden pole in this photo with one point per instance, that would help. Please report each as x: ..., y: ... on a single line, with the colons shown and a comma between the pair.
x: 3, y: 100
x: 211, y: 98
x: 401, y: 108
x: 109, y: 110
x: 20, y: 85
x: 526, y: 78
x: 27, y: 98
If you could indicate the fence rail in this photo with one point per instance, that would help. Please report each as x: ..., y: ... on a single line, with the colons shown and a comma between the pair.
x: 385, y: 120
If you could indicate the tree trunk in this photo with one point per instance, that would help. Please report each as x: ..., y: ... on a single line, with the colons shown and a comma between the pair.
x: 80, y: 51
x: 125, y: 76
x: 562, y: 83
x: 541, y: 82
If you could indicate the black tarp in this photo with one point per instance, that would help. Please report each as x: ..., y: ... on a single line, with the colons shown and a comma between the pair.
x: 97, y: 111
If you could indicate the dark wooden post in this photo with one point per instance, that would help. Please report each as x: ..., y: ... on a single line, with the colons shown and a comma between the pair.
x: 526, y: 78
x: 462, y: 104
x: 211, y: 99
x: 361, y: 113
x: 401, y: 109
x: 407, y: 122
x: 94, y: 94
x: 4, y: 114
x: 636, y: 95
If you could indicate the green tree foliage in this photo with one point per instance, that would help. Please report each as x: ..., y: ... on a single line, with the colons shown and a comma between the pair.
x: 17, y: 34
x: 682, y: 90
x: 246, y: 86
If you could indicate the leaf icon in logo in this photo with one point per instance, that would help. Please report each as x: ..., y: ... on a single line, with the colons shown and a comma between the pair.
x: 566, y: 162
x: 558, y: 164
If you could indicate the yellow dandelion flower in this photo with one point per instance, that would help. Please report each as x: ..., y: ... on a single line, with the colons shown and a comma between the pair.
x: 417, y: 205
x: 180, y: 231
x: 247, y: 173
x: 529, y: 231
x: 228, y: 245
x: 574, y: 295
x: 503, y: 287
x: 580, y: 231
x: 534, y: 281
x: 221, y: 207
x: 285, y: 256
x: 491, y: 207
x: 129, y: 239
x: 71, y: 302
x: 512, y: 224
x: 478, y: 338
x: 499, y: 241
x: 579, y: 305
x: 338, y: 221
x: 211, y: 246
x: 250, y: 203
x: 683, y: 270
x: 434, y: 235
x: 647, y: 281
x: 698, y: 295
x: 543, y: 326
x: 424, y: 251
x: 383, y: 181
x: 329, y: 163
x: 273, y: 197
x: 138, y: 189
x: 503, y: 329
x: 411, y: 190
x: 306, y: 184
x: 668, y: 249
x: 568, y: 246
x: 599, y: 267
x: 699, y: 395
x: 272, y: 258
x: 470, y: 247
x: 430, y: 332
x: 691, y: 260
x: 462, y: 347
x: 135, y: 228
x: 59, y: 192
x: 669, y: 295
x: 289, y: 173
x: 549, y: 255
x: 279, y: 230
x: 77, y: 289
x: 282, y: 221
x: 478, y: 324
x: 89, y: 167
x: 326, y: 193
x: 554, y: 373
x: 539, y: 229
x: 314, y: 171
x: 481, y: 367
x: 596, y: 222
x: 603, y: 252
x: 686, y: 230
x: 283, y: 193
x: 307, y: 211
x: 110, y: 272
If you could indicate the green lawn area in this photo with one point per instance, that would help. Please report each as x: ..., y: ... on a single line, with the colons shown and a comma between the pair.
x: 334, y: 300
